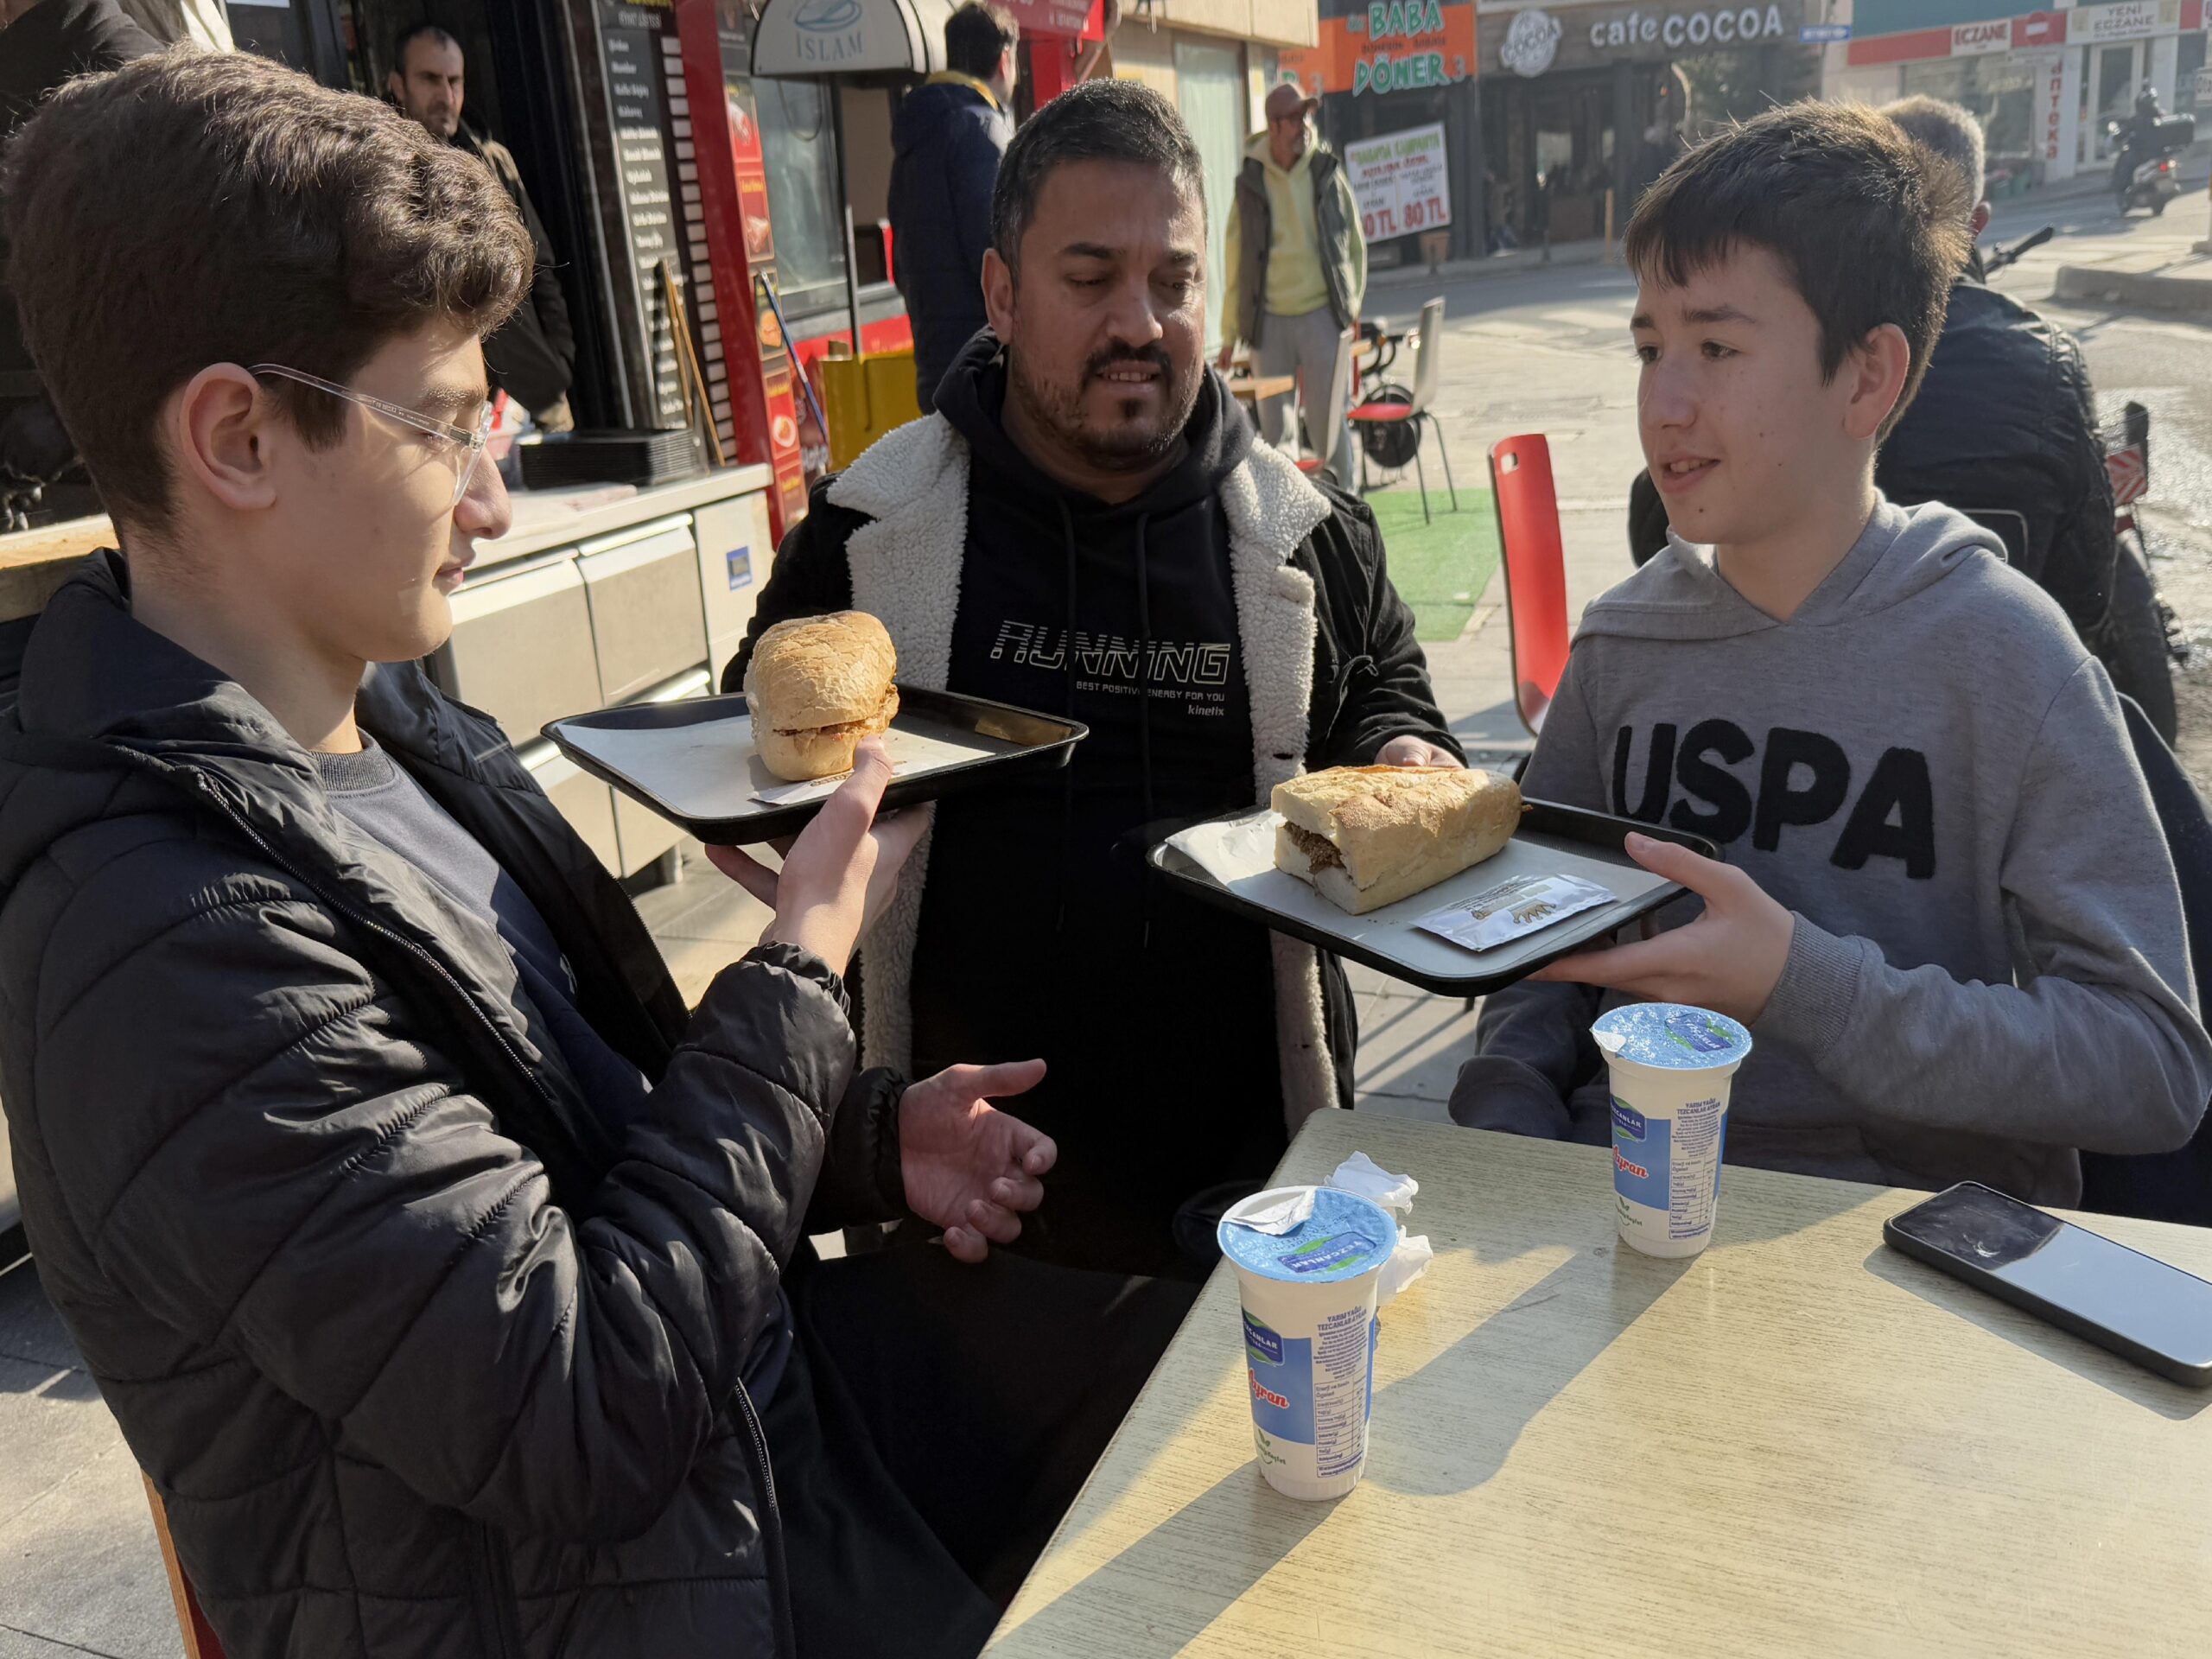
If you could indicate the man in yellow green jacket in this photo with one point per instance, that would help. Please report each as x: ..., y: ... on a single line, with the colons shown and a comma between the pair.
x: 1296, y: 272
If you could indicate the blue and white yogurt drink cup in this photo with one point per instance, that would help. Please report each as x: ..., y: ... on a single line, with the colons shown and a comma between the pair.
x: 1308, y: 1291
x: 1671, y: 1065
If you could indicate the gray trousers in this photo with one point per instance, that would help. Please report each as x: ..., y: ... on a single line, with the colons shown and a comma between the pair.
x: 1313, y: 347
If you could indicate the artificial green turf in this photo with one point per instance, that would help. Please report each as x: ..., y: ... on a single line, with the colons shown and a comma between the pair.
x: 1440, y: 568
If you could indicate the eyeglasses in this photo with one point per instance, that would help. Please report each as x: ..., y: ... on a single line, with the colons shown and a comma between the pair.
x: 470, y: 442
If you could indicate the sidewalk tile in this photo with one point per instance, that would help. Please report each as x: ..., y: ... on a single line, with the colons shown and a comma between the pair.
x: 81, y: 1566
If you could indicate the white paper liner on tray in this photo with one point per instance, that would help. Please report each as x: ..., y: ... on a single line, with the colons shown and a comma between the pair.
x: 1240, y: 853
x: 711, y: 770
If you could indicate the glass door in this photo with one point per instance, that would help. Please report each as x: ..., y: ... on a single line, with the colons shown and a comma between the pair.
x: 1210, y: 93
x: 2115, y: 75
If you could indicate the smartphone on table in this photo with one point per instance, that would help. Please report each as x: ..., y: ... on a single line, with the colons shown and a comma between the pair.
x: 2135, y: 1305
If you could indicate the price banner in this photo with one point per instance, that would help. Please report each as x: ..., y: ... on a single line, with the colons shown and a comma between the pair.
x: 1401, y: 181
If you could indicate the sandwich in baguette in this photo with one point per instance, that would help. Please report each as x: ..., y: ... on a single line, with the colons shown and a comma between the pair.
x: 816, y: 685
x: 1366, y: 836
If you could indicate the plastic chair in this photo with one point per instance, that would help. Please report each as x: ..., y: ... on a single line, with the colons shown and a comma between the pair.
x: 1428, y: 354
x: 2167, y: 1185
x: 1536, y: 572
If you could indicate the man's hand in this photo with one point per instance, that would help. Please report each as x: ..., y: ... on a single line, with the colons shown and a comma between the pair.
x: 1729, y: 959
x: 842, y: 869
x: 1228, y: 358
x: 1415, y: 752
x: 968, y: 1168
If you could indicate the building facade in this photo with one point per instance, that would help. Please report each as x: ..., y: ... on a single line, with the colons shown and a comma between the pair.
x: 2046, y: 82
x: 1584, y: 105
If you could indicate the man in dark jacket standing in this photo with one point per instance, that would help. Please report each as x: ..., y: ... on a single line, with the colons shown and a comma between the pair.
x: 2004, y: 429
x: 446, y: 1279
x: 945, y: 146
x: 1086, y: 525
x: 533, y: 356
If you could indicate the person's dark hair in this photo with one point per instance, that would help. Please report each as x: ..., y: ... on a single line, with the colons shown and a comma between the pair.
x: 1098, y: 121
x: 198, y: 207
x: 1870, y: 226
x: 976, y: 36
x: 1953, y: 132
x: 414, y: 32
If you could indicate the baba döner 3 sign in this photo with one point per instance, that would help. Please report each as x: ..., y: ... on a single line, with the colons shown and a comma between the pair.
x: 1393, y: 46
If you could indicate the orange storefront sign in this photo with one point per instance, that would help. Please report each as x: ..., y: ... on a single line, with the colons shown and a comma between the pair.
x: 1394, y: 46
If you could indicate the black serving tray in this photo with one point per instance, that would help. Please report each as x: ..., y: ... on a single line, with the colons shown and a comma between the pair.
x: 693, y: 762
x: 1552, y: 840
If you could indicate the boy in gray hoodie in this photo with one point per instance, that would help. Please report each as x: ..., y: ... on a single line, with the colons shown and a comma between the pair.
x: 1947, y: 912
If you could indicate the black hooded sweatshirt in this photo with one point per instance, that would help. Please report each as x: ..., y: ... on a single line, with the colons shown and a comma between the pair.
x: 1155, y: 1013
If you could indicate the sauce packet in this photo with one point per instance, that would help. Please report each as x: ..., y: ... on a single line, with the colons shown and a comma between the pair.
x: 1512, y: 909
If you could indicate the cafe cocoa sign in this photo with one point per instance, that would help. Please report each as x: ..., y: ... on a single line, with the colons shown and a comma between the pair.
x: 1542, y: 41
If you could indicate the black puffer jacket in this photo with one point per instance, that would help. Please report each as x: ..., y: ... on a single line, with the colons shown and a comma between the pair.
x: 424, y: 1360
x: 945, y: 145
x: 2004, y: 429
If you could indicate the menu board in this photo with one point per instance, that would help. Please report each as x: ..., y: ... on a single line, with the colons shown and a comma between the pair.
x: 644, y: 76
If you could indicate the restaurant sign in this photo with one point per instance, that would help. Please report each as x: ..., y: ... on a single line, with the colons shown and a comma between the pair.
x: 1390, y: 46
x: 1537, y: 42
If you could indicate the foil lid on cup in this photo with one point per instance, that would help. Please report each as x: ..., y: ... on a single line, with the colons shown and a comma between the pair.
x: 1672, y: 1037
x: 1341, y: 1236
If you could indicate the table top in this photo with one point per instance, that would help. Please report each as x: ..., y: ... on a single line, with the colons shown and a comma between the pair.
x: 1799, y: 1442
x: 1262, y: 386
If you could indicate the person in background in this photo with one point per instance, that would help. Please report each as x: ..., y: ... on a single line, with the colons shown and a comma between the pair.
x: 1294, y: 275
x: 43, y: 43
x: 203, y: 22
x: 2139, y: 138
x: 1086, y: 525
x: 2005, y: 424
x: 533, y: 356
x: 945, y: 147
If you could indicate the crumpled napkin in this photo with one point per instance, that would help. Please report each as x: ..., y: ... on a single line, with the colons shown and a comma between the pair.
x: 1361, y: 1175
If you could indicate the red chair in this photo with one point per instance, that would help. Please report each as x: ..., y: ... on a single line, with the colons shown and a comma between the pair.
x: 1536, y: 572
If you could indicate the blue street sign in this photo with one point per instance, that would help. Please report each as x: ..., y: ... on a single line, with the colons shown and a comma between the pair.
x: 1822, y: 34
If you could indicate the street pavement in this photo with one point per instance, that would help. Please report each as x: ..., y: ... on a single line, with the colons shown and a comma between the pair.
x: 1531, y: 349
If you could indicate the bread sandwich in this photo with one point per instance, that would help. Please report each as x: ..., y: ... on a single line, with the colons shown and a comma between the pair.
x: 816, y: 685
x: 1366, y: 836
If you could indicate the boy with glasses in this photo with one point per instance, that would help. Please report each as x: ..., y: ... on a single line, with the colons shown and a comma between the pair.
x: 444, y: 1275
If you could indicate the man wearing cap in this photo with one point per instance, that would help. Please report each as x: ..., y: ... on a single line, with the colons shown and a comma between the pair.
x: 1296, y: 269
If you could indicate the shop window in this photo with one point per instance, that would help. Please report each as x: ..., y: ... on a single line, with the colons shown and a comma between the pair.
x: 2186, y: 64
x: 799, y: 152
